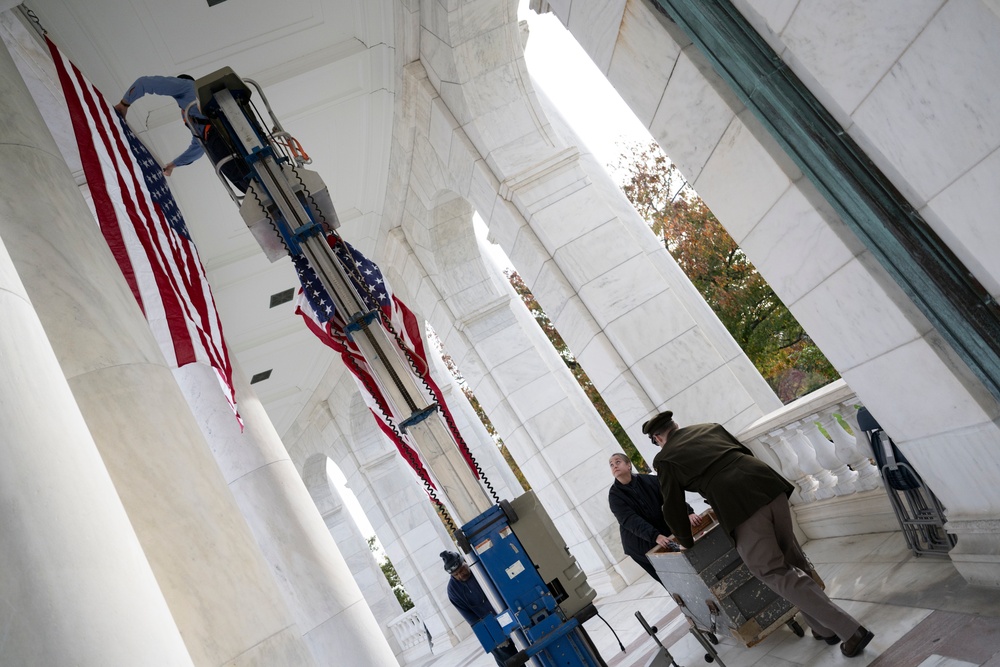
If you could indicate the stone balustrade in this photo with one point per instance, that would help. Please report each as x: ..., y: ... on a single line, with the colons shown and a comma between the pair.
x: 837, y: 488
x: 413, y: 638
x: 807, y: 442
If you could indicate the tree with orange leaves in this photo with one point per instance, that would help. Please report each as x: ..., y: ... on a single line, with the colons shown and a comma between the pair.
x: 761, y: 324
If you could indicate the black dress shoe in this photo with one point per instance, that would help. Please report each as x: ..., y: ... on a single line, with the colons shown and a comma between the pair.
x: 858, y: 641
x: 831, y: 640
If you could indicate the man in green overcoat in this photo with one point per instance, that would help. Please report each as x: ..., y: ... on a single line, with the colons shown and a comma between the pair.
x: 751, y: 501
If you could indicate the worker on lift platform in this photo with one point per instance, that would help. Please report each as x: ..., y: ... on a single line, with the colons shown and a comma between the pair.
x: 182, y: 89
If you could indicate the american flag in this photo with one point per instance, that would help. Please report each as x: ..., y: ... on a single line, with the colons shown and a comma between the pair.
x: 145, y: 230
x: 321, y: 316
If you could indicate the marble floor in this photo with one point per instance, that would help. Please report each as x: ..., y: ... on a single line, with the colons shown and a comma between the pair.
x: 922, y: 612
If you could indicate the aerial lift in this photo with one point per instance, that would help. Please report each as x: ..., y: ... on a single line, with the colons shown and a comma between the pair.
x: 540, y: 594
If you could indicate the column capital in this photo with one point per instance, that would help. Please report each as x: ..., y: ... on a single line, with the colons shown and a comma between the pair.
x: 537, y: 172
x: 470, y: 320
x: 374, y: 464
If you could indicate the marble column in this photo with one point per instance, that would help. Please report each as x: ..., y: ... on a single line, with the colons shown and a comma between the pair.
x: 940, y: 153
x: 550, y: 427
x: 330, y: 612
x: 644, y: 336
x: 354, y: 546
x: 207, y: 564
x: 341, y: 428
x: 75, y: 585
x: 413, y: 536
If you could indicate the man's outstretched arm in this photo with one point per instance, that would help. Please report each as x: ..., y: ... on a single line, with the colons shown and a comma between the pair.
x: 675, y: 509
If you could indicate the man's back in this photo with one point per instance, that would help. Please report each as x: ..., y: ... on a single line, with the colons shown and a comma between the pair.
x: 707, y: 459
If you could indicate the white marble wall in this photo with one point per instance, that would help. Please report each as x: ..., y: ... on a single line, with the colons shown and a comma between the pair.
x: 914, y: 84
x: 906, y: 79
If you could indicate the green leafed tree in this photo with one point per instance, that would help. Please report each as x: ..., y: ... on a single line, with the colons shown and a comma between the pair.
x: 392, y: 577
x: 761, y: 324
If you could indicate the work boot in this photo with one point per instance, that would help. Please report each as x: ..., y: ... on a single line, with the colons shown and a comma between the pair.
x: 831, y: 640
x: 858, y: 641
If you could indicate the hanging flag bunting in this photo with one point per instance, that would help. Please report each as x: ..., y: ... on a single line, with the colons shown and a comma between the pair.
x: 321, y: 317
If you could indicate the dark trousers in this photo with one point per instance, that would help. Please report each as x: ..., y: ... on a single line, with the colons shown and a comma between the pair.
x: 504, y: 651
x: 644, y: 563
x: 768, y: 546
x: 236, y: 170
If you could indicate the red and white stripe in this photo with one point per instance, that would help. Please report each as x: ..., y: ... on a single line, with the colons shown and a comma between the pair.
x: 332, y: 334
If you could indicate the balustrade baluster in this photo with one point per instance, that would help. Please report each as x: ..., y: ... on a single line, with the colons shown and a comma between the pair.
x: 408, y: 629
x: 826, y: 453
x: 805, y: 484
x: 807, y: 461
x: 860, y: 449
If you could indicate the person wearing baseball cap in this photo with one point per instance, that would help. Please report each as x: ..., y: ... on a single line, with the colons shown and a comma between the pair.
x: 471, y: 602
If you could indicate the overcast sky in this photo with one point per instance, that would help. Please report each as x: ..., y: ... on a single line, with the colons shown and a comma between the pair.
x: 579, y: 90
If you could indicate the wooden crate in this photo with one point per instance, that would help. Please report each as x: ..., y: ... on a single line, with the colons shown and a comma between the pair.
x: 713, y: 586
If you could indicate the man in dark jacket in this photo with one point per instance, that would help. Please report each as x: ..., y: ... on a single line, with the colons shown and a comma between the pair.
x: 636, y: 502
x: 751, y: 502
x: 471, y: 602
x: 182, y: 89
